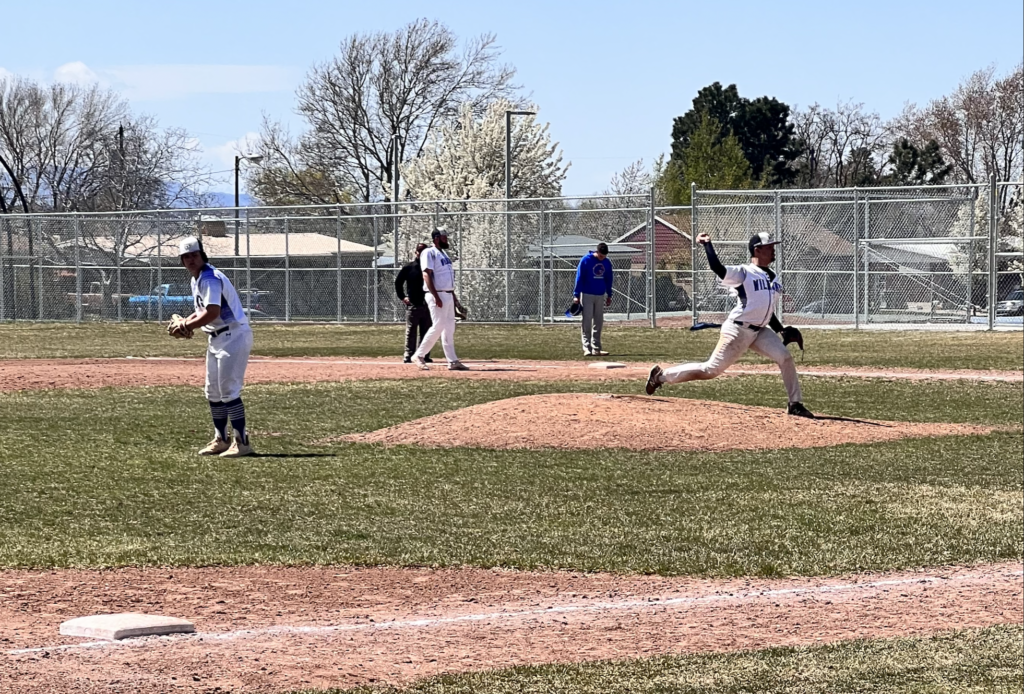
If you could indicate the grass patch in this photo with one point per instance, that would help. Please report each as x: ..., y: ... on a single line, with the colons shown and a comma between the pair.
x: 975, y: 660
x: 910, y: 349
x: 125, y: 487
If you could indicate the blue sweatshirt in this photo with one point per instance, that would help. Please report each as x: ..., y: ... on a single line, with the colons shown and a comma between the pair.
x: 593, y: 276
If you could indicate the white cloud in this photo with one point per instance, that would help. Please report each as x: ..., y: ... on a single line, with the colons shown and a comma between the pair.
x: 224, y: 155
x: 75, y: 73
x: 159, y: 82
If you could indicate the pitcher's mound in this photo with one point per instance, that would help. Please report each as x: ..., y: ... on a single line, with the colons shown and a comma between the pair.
x: 576, y: 421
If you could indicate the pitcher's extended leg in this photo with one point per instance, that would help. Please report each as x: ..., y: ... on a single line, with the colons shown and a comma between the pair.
x: 732, y: 343
x: 768, y: 344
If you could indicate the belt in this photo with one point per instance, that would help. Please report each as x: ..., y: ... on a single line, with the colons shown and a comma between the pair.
x: 755, y: 328
x: 446, y: 291
x: 218, y: 331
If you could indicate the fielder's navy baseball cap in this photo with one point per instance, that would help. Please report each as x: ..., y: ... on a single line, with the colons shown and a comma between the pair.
x: 440, y: 231
x: 762, y: 239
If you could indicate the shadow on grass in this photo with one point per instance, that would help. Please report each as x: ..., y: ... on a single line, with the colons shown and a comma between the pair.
x: 293, y: 455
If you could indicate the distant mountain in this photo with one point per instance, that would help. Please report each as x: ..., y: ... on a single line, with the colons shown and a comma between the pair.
x: 228, y: 200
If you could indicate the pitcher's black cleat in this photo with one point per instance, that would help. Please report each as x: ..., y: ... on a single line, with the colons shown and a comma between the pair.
x: 797, y: 409
x: 652, y: 380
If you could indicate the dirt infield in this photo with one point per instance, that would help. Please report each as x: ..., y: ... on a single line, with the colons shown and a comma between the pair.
x: 265, y: 629
x: 588, y: 421
x: 36, y: 374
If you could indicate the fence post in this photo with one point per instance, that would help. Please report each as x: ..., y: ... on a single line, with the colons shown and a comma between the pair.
x: 856, y: 262
x: 159, y: 271
x: 970, y: 259
x: 376, y: 270
x: 694, y: 312
x: 540, y: 266
x: 993, y: 248
x: 652, y: 236
x: 287, y: 276
x: 3, y: 275
x: 248, y: 266
x: 39, y: 247
x: 782, y: 251
x: 337, y: 263
x: 867, y: 259
x: 78, y: 269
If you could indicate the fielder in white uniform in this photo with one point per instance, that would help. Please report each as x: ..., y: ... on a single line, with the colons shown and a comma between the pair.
x: 747, y: 327
x: 439, y: 285
x: 219, y: 313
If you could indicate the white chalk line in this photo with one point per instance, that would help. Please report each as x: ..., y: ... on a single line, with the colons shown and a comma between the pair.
x: 647, y: 603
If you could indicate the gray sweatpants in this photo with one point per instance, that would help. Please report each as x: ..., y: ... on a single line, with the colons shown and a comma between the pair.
x: 593, y: 320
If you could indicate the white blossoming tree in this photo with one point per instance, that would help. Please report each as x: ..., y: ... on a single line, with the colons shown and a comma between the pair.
x: 463, y: 164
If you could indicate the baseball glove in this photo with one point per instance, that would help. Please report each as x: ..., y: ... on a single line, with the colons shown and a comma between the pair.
x: 791, y: 334
x: 460, y: 311
x: 176, y: 328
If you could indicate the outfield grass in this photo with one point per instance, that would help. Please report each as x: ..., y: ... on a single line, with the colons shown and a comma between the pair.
x: 109, y: 477
x: 910, y: 349
x: 975, y: 660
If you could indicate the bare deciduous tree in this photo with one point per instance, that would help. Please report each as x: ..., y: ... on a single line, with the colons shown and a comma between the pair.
x: 384, y: 93
x: 841, y: 147
x: 979, y: 127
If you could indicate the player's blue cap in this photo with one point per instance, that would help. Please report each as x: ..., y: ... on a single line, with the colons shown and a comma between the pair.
x: 574, y: 310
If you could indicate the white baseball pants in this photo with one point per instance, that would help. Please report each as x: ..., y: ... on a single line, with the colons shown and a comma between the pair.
x: 443, y: 319
x: 227, y: 355
x: 733, y: 342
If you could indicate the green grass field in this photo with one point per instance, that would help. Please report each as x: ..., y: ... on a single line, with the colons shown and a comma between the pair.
x: 109, y: 477
x: 977, y: 660
x: 911, y: 349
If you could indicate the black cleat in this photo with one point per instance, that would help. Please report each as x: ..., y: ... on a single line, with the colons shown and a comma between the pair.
x: 797, y: 409
x: 652, y: 380
x: 407, y: 360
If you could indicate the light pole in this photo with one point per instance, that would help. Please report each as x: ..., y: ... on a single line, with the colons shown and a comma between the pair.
x: 508, y: 195
x: 252, y: 159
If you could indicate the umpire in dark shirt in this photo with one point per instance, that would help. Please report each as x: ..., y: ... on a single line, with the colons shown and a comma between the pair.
x: 409, y: 287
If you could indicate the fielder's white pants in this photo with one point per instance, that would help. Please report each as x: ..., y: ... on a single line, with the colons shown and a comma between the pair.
x: 227, y: 355
x: 732, y: 343
x: 443, y: 319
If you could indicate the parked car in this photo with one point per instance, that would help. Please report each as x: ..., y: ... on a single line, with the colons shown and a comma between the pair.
x: 1012, y: 305
x: 162, y: 301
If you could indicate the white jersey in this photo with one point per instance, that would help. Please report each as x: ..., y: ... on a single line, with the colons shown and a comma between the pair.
x: 438, y: 261
x: 757, y: 291
x: 213, y: 287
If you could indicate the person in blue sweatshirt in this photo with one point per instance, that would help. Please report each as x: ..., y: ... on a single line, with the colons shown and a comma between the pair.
x: 593, y: 292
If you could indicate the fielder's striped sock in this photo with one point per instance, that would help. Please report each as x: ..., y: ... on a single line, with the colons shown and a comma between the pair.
x: 219, y: 412
x: 236, y: 412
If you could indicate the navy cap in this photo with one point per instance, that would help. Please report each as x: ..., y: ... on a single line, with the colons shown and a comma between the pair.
x: 762, y: 239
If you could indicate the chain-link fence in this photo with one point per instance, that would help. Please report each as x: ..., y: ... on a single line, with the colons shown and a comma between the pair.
x: 935, y: 255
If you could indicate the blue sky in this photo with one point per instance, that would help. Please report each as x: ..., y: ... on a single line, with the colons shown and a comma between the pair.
x: 608, y: 76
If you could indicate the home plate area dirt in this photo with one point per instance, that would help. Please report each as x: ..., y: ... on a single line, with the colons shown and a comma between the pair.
x: 585, y: 420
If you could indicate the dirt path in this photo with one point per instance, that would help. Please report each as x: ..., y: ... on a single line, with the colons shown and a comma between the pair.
x: 265, y: 629
x: 35, y: 374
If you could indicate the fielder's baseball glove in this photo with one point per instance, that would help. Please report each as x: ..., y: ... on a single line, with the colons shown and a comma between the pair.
x: 460, y: 311
x: 176, y: 328
x: 791, y: 334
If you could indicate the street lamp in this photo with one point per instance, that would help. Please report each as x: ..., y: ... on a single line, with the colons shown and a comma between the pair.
x: 508, y: 195
x: 252, y: 159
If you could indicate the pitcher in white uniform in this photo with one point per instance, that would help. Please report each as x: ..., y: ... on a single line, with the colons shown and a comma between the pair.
x: 219, y: 314
x: 757, y: 291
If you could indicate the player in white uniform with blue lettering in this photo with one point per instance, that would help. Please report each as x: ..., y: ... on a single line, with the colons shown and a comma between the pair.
x: 751, y: 324
x: 219, y: 314
x: 439, y: 289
